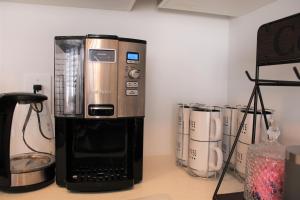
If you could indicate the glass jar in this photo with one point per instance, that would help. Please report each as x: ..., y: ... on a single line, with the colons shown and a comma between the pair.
x: 265, y: 169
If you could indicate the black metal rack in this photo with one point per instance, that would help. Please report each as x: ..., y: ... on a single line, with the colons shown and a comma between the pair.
x: 278, y: 42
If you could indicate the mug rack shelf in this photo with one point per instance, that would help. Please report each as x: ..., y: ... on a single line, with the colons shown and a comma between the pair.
x: 277, y: 43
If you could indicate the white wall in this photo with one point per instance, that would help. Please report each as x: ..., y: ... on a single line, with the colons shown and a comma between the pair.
x: 242, y: 56
x: 186, y: 55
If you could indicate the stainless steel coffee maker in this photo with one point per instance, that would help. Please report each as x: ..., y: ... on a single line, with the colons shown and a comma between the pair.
x: 99, y: 111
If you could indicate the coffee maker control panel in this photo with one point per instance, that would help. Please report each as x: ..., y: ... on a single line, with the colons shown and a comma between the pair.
x: 131, y: 90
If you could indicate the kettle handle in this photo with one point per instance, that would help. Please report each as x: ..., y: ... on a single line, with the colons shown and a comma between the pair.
x: 7, y: 108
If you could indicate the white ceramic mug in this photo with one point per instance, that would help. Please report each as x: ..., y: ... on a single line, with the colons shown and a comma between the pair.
x: 226, y: 120
x: 179, y: 145
x: 246, y: 133
x: 182, y: 149
x: 246, y: 138
x: 241, y: 157
x: 182, y: 136
x: 233, y: 158
x: 205, y: 158
x: 226, y: 148
x: 230, y: 121
x: 234, y: 120
x: 183, y: 118
x: 205, y: 124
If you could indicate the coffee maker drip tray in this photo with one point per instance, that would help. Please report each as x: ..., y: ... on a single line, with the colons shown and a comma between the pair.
x: 99, y: 174
x: 31, y: 168
x: 91, y: 179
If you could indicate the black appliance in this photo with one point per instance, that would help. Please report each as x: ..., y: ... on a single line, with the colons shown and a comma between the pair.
x: 99, y: 111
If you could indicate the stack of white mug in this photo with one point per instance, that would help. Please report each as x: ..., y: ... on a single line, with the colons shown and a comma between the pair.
x: 203, y: 149
x: 230, y: 126
x: 232, y: 118
x: 206, y: 134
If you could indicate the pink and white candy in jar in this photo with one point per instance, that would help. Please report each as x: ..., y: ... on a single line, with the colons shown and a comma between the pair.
x: 265, y: 169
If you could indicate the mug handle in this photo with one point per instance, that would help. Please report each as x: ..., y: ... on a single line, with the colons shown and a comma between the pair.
x: 218, y: 133
x: 219, y: 163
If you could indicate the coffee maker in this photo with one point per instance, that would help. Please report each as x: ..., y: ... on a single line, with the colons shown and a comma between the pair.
x: 99, y: 111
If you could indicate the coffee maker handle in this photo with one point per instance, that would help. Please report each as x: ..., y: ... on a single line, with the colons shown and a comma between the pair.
x: 219, y: 163
x: 218, y: 133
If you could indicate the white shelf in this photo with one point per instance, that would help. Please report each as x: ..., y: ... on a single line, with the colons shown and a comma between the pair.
x: 230, y: 8
x: 162, y: 180
x: 124, y: 5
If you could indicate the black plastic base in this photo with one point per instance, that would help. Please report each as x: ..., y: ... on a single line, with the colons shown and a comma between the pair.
x: 96, y: 167
x: 230, y: 196
x: 28, y: 188
x: 99, y: 187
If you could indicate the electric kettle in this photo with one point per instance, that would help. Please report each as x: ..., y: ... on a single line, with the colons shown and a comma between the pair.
x: 27, y: 160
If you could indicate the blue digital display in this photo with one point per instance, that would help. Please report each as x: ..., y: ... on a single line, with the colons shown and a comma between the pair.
x: 133, y: 56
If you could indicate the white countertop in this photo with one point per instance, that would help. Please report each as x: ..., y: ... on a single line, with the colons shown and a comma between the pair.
x: 162, y: 180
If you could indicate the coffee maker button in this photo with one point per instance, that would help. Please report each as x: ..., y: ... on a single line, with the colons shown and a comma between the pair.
x: 132, y: 92
x: 131, y: 84
x: 134, y: 74
x: 75, y: 177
